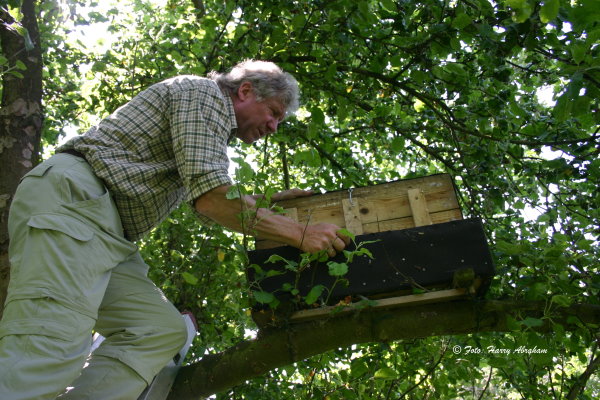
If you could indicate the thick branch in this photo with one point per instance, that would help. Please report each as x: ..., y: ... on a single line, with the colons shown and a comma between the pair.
x: 278, y: 347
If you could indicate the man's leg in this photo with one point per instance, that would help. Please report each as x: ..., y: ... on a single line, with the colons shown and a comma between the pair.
x: 143, y: 331
x: 39, y: 366
x: 66, y: 237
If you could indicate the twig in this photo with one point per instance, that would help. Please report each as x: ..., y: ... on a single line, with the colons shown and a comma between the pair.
x: 284, y: 162
x: 487, y: 384
x: 427, y: 375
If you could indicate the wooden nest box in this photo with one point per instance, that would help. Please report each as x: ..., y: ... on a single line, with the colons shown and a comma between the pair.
x: 423, y: 250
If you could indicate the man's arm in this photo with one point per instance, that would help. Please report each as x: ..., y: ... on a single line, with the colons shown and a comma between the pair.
x: 242, y: 215
x: 286, y: 194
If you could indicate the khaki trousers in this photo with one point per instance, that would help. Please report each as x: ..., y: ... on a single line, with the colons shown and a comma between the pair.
x: 72, y: 272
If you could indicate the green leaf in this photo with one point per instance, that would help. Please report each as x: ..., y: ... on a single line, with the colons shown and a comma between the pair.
x: 289, y: 264
x: 532, y: 322
x: 263, y: 297
x: 298, y: 21
x: 244, y: 173
x: 189, y: 278
x: 24, y: 33
x: 273, y: 272
x: 233, y: 193
x: 508, y: 248
x: 461, y: 21
x: 363, y: 251
x: 275, y: 258
x: 386, y: 373
x: 17, y: 74
x: 347, y: 233
x: 317, y: 116
x: 99, y: 66
x: 337, y: 269
x: 419, y: 105
x: 512, y: 324
x: 397, y: 145
x: 562, y: 300
x: 14, y: 9
x: 396, y: 61
x: 522, y: 10
x: 389, y: 5
x: 564, y: 106
x: 578, y: 52
x: 549, y: 10
x: 516, y: 3
x: 314, y: 294
x: 456, y: 68
x: 358, y: 368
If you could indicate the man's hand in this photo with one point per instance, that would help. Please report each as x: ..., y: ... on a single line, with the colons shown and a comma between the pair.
x: 291, y: 194
x: 323, y: 236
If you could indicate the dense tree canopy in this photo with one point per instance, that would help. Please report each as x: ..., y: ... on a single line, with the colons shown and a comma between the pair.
x: 504, y: 96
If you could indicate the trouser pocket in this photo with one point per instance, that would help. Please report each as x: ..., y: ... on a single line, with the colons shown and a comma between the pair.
x: 63, y: 259
x: 66, y: 236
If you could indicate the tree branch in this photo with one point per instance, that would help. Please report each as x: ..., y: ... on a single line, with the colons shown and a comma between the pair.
x: 284, y: 162
x: 199, y: 8
x: 580, y: 382
x: 277, y: 347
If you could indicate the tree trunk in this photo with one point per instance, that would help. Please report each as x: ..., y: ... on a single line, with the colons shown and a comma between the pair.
x: 278, y: 347
x: 20, y: 115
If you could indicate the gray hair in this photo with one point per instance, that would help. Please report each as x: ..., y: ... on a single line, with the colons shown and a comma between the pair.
x: 267, y: 79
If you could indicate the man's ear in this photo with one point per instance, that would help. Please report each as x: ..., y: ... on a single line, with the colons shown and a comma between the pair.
x: 245, y: 90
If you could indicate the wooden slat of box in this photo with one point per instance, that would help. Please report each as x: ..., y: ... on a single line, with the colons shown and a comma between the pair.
x: 377, y: 208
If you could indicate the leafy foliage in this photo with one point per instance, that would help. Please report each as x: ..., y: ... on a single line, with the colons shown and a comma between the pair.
x: 391, y: 89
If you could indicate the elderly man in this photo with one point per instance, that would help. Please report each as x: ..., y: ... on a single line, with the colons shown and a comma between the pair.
x: 75, y: 217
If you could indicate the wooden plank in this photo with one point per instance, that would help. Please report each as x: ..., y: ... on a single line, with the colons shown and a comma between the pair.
x: 393, y: 302
x: 352, y: 219
x: 381, y: 207
x: 375, y: 209
x: 430, y: 184
x: 408, y: 222
x: 418, y: 207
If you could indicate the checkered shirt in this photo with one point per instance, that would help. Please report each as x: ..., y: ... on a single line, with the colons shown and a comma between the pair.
x: 165, y: 146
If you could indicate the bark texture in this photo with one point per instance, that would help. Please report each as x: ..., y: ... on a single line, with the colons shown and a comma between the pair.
x: 20, y: 115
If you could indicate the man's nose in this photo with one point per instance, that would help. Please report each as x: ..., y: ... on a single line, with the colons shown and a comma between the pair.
x: 272, y: 125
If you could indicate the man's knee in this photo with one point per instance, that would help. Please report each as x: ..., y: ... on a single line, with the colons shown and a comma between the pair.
x: 147, y: 349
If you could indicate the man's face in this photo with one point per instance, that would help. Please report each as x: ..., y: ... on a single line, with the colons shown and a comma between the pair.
x: 255, y: 119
